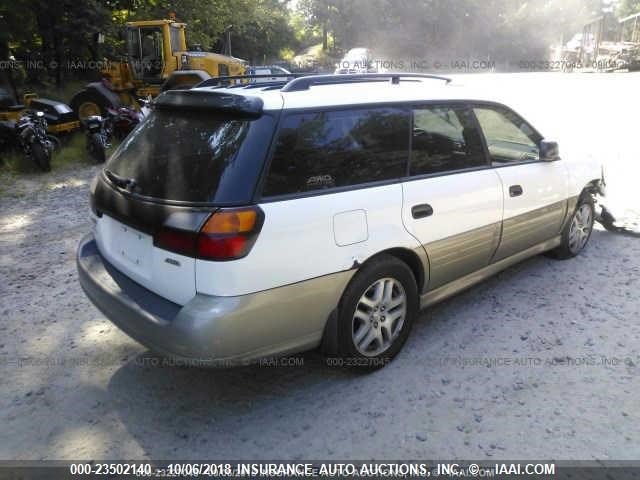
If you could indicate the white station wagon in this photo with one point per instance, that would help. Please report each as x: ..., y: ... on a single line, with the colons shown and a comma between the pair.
x: 237, y: 223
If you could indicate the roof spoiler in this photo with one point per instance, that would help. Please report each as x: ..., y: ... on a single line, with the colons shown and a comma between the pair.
x: 194, y: 100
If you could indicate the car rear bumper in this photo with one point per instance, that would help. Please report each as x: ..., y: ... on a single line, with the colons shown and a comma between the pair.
x: 209, y: 330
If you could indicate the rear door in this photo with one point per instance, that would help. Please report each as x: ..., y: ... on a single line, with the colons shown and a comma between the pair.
x: 332, y: 197
x: 452, y: 202
x: 534, y: 191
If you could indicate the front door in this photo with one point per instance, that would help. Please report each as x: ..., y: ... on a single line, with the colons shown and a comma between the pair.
x: 534, y: 191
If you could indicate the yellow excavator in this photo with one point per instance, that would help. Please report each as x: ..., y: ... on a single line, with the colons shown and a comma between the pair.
x: 157, y: 60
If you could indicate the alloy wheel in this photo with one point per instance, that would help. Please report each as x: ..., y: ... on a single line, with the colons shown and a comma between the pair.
x: 379, y: 317
x: 580, y: 229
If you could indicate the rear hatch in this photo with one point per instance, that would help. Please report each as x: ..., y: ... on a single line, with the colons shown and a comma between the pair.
x: 195, y: 153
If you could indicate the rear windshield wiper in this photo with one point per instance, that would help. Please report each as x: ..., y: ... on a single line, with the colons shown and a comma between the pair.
x: 127, y: 183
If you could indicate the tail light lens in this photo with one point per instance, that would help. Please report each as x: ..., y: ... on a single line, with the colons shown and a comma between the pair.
x: 228, y: 234
x: 179, y: 241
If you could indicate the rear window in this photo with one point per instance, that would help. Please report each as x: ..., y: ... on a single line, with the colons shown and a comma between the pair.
x: 194, y: 156
x: 332, y: 149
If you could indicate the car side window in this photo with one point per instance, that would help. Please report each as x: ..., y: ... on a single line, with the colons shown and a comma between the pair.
x: 445, y: 138
x: 332, y: 149
x: 509, y: 138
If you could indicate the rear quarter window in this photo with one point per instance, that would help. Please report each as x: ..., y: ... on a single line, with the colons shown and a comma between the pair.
x: 333, y: 149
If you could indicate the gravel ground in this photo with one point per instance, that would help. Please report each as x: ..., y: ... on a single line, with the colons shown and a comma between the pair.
x: 541, y: 361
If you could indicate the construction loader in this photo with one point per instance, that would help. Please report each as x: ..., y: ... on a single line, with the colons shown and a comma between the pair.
x: 157, y: 59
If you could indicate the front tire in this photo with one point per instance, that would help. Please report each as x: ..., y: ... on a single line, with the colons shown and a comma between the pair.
x: 578, y: 230
x: 96, y: 147
x: 376, y: 313
x: 41, y: 156
x: 54, y: 142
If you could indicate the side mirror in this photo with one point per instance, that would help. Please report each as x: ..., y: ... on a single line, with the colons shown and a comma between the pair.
x: 549, y: 151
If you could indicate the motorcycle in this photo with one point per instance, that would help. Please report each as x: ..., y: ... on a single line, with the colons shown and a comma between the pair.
x: 123, y: 120
x: 118, y: 123
x: 29, y: 134
x: 97, y: 137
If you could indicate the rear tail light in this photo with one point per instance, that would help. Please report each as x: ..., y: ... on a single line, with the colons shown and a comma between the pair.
x: 228, y: 234
x: 179, y: 241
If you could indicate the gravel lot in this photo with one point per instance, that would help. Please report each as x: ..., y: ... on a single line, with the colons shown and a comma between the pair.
x: 541, y: 361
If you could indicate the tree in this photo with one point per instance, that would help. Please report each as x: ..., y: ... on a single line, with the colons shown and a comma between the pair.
x: 51, y: 33
x: 447, y: 30
x: 319, y: 13
x: 628, y: 7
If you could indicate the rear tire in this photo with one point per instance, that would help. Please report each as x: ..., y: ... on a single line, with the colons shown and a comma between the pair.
x: 577, y: 231
x: 90, y: 102
x: 376, y: 313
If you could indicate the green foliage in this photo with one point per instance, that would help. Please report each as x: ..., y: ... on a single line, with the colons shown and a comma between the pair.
x: 628, y: 7
x: 266, y: 30
x: 58, y: 36
x: 260, y: 27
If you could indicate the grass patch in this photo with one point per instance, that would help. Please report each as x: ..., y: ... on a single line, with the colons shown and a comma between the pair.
x: 16, y: 162
x: 71, y: 153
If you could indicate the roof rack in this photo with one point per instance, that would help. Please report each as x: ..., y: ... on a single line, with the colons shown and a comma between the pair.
x: 305, y: 82
x: 220, y: 81
x: 295, y: 82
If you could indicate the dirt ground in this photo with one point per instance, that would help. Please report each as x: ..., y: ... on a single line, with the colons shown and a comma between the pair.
x: 541, y: 361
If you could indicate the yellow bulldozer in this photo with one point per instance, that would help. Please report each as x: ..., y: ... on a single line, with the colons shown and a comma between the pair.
x: 157, y: 60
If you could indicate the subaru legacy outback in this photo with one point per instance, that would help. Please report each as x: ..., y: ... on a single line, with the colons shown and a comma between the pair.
x: 255, y: 220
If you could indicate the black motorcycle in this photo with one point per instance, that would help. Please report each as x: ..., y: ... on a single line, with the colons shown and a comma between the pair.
x: 117, y: 123
x: 29, y: 135
x: 98, y: 131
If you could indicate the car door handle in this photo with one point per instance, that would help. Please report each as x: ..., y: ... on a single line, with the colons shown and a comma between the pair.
x: 515, y: 190
x: 421, y: 211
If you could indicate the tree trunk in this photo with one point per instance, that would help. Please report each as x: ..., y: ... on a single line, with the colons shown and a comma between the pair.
x: 325, y: 38
x: 4, y: 50
x: 57, y: 56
